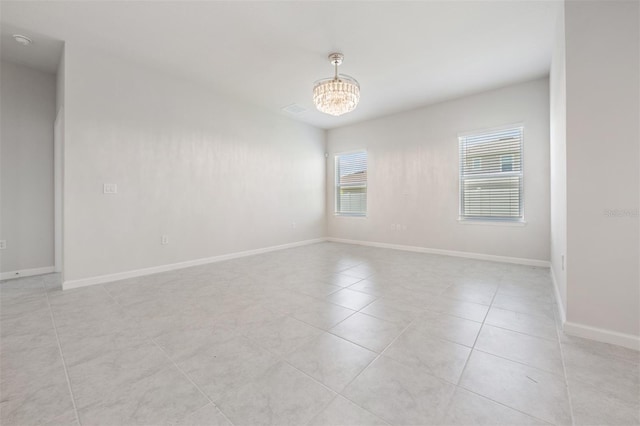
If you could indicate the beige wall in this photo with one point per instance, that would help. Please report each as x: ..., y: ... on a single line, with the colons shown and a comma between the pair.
x: 413, y: 175
x: 28, y: 100
x: 215, y: 175
x: 603, y: 134
x: 558, y: 169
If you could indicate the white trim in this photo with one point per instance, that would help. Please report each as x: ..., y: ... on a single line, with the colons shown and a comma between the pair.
x: 489, y: 130
x: 101, y: 279
x: 559, y: 302
x: 26, y: 273
x: 470, y: 255
x: 602, y: 335
x: 517, y: 223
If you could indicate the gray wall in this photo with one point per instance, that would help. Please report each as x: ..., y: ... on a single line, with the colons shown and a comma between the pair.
x: 28, y: 107
x: 215, y: 175
x: 603, y: 175
x: 414, y: 175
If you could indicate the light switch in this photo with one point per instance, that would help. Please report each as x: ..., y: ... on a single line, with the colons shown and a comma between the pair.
x: 110, y: 188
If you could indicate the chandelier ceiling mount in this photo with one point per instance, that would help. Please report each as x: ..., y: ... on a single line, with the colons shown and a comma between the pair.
x: 339, y: 94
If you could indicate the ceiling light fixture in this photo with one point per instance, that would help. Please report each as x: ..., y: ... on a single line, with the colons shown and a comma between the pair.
x: 23, y: 40
x: 337, y: 95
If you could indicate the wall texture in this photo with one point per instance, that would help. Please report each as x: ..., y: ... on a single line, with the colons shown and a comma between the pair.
x: 603, y: 173
x: 27, y: 102
x: 558, y: 169
x: 413, y: 174
x: 214, y: 175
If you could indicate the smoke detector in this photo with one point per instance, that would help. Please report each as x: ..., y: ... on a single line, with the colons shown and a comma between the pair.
x: 22, y: 39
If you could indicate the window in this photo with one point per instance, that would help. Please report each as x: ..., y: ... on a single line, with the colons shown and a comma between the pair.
x: 491, y: 176
x: 351, y: 184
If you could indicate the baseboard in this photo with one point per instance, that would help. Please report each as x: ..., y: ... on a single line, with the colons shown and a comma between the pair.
x: 466, y: 254
x: 83, y: 282
x: 26, y: 273
x: 602, y: 335
x: 559, y: 304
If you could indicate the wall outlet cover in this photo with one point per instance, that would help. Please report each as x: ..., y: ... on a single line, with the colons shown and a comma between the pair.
x: 110, y: 188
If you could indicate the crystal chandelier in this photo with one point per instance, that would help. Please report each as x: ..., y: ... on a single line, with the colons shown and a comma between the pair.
x: 337, y: 95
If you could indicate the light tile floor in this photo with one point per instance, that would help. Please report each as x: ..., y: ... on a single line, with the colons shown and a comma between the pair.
x: 327, y: 334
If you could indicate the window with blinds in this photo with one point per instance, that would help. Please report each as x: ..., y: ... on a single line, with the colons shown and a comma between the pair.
x: 491, y: 176
x: 351, y: 184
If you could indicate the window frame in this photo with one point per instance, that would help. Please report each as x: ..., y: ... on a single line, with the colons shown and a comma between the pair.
x: 502, y: 220
x: 337, y: 186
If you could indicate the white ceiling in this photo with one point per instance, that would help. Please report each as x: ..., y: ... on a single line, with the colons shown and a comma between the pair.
x: 404, y: 54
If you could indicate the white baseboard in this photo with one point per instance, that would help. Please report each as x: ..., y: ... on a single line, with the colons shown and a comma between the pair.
x: 466, y: 254
x: 559, y: 303
x: 26, y: 273
x: 83, y: 282
x: 602, y: 335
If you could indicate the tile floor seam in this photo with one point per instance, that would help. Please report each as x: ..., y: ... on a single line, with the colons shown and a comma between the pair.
x: 520, y: 332
x: 475, y: 341
x: 192, y: 382
x: 152, y: 339
x: 566, y: 378
x: 320, y: 328
x: 503, y: 404
x: 373, y: 360
x: 62, y: 359
x: 323, y: 408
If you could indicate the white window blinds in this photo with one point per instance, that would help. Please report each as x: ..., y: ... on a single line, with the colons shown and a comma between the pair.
x: 491, y: 176
x: 351, y: 184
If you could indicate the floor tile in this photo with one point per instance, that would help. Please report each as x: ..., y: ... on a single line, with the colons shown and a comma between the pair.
x: 594, y: 406
x: 372, y: 333
x: 374, y: 287
x: 467, y: 408
x: 532, y: 391
x: 331, y: 360
x: 437, y: 357
x: 281, y: 395
x: 392, y: 310
x: 448, y: 327
x: 534, y: 325
x: 400, y: 394
x: 343, y: 412
x: 613, y: 370
x: 525, y: 305
x: 351, y: 299
x: 258, y: 335
x: 160, y: 398
x: 467, y: 310
x: 209, y: 415
x: 323, y: 315
x: 533, y: 351
x: 470, y: 293
x: 44, y: 405
x: 218, y: 362
x: 282, y: 335
x: 342, y: 280
x: 315, y: 288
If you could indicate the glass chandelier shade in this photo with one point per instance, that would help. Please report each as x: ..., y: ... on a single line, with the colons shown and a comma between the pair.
x: 337, y: 95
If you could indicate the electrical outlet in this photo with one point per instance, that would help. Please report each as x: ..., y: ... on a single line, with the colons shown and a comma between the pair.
x: 164, y: 240
x: 3, y: 244
x: 110, y: 188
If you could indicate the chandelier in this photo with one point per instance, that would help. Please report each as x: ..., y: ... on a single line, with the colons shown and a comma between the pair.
x: 337, y: 95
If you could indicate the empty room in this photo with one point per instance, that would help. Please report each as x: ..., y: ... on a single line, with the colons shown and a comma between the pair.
x: 332, y: 213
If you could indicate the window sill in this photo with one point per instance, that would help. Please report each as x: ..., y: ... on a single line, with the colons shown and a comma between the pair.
x: 351, y: 216
x: 492, y: 222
